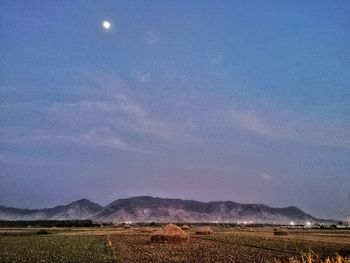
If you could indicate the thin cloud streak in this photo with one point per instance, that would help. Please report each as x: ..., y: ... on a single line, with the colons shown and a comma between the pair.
x: 151, y: 37
x: 266, y: 177
x: 289, y: 127
x: 128, y: 114
x: 113, y: 109
x: 143, y: 76
x: 94, y: 138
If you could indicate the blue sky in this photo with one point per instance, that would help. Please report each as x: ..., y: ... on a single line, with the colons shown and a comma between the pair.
x: 210, y: 100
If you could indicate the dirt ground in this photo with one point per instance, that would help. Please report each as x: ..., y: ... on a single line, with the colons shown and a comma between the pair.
x: 112, y: 244
x: 231, y: 245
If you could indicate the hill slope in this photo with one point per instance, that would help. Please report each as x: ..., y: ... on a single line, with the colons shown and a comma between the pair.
x: 154, y: 209
x: 151, y: 209
x: 81, y: 209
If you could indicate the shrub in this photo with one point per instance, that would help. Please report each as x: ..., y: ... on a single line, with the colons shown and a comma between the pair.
x: 204, y: 231
x: 311, y: 257
x: 43, y: 232
x: 281, y: 232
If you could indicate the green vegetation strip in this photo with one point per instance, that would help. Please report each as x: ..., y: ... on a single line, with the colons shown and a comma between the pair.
x: 53, y: 248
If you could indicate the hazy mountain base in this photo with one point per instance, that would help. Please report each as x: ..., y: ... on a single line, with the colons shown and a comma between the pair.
x: 151, y: 209
x: 78, y: 210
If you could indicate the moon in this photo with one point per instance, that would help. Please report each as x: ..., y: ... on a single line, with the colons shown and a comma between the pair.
x: 106, y: 24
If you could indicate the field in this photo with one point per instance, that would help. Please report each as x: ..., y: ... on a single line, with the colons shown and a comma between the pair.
x: 111, y: 244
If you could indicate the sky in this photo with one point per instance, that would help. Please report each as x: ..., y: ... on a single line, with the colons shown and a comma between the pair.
x: 246, y: 101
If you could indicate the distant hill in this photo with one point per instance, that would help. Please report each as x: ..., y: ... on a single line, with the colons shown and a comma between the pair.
x: 154, y: 209
x: 78, y: 210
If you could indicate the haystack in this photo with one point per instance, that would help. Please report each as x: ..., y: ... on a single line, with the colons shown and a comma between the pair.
x: 170, y: 234
x: 185, y: 227
x: 204, y: 231
x: 280, y: 232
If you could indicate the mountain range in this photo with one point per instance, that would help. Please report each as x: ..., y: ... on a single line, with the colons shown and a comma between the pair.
x: 155, y: 209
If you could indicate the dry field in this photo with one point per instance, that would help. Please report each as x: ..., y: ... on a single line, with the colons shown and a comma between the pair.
x: 134, y: 245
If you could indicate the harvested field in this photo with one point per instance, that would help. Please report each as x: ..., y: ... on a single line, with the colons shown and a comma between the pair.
x: 54, y: 248
x: 134, y: 245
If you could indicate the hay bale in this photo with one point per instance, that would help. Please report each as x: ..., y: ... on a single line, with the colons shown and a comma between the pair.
x: 185, y: 227
x: 170, y: 234
x: 204, y: 231
x: 280, y: 232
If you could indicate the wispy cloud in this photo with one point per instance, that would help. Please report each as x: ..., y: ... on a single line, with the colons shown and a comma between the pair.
x: 104, y: 137
x: 151, y: 37
x: 292, y: 127
x: 27, y: 161
x: 99, y: 137
x: 212, y: 168
x: 143, y: 76
x: 104, y: 109
x: 256, y: 123
x: 215, y: 59
x: 266, y: 176
x: 121, y: 110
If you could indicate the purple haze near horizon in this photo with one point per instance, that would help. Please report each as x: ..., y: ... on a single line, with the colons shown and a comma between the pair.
x: 205, y: 100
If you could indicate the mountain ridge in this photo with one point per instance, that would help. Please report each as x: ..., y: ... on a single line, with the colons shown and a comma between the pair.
x: 157, y: 209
